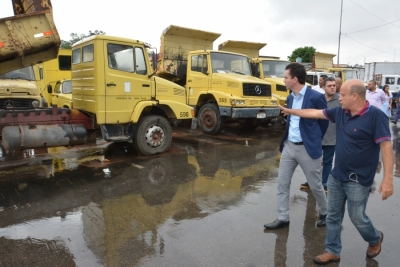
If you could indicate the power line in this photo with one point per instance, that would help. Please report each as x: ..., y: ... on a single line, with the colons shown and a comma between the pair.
x: 374, y: 27
x: 370, y: 46
x: 370, y: 12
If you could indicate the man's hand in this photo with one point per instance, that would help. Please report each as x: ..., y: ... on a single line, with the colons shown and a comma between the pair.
x: 386, y: 188
x: 283, y: 110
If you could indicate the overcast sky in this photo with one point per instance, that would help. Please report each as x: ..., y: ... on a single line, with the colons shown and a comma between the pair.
x: 283, y: 24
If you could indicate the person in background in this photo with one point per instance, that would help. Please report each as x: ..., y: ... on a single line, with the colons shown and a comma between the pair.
x: 301, y: 145
x: 375, y: 96
x: 358, y: 143
x: 338, y: 84
x: 329, y: 140
x: 318, y: 87
x: 397, y: 115
x: 387, y: 106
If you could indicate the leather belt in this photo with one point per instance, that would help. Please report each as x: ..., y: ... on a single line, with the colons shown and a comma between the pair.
x: 297, y: 143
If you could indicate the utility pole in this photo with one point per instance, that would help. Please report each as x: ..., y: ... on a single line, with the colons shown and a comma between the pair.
x: 340, y: 31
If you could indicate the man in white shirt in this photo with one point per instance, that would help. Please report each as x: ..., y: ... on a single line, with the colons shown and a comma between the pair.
x: 375, y: 96
x: 320, y: 84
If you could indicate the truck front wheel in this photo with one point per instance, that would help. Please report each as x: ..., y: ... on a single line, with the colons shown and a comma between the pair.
x: 210, y: 121
x: 152, y: 136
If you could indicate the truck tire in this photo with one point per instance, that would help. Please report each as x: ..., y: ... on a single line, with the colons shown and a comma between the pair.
x: 210, y: 120
x: 250, y: 124
x: 152, y: 135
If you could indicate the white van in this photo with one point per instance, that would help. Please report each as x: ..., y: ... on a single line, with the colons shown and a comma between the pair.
x: 313, y: 77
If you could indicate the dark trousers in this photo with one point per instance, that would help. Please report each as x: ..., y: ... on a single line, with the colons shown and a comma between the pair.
x: 397, y: 115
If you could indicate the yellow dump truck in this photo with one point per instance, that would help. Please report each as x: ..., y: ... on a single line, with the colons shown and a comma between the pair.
x: 113, y: 81
x: 270, y: 69
x: 324, y: 62
x: 218, y: 84
x: 54, y: 79
x: 27, y: 38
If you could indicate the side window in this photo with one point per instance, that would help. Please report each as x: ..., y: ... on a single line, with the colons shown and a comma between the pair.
x: 389, y: 80
x: 255, y: 69
x: 120, y: 57
x: 140, y: 61
x: 64, y: 62
x: 398, y: 81
x: 57, y: 88
x: 199, y: 63
x: 309, y: 79
x: 76, y: 56
x: 87, y: 53
x: 41, y: 73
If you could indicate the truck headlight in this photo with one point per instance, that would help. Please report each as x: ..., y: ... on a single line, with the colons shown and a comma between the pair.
x: 239, y: 102
x: 35, y: 103
x: 273, y: 102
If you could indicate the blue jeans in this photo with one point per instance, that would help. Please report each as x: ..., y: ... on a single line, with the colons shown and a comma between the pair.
x: 327, y: 159
x: 356, y: 196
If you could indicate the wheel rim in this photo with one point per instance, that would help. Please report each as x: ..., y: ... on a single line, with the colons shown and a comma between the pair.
x: 209, y: 119
x: 154, y: 136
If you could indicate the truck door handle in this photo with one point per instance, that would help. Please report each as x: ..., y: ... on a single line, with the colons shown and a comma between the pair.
x: 111, y: 84
x: 146, y: 85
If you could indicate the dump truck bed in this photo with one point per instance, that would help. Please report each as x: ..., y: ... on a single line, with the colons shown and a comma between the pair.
x: 176, y: 43
x: 27, y: 39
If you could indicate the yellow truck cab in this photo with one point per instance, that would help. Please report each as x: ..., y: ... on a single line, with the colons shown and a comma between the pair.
x: 270, y: 69
x: 113, y: 80
x: 18, y: 90
x: 61, y: 94
x: 54, y: 73
x: 218, y: 84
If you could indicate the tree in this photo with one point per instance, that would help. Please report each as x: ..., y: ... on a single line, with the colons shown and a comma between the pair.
x: 75, y: 38
x: 306, y: 53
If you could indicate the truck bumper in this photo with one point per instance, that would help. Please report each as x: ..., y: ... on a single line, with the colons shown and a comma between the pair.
x: 242, y: 113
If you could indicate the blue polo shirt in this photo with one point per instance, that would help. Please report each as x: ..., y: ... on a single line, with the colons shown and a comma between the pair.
x: 357, y: 142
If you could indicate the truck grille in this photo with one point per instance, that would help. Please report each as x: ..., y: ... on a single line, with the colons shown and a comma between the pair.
x: 281, y: 88
x: 251, y: 89
x: 15, y: 103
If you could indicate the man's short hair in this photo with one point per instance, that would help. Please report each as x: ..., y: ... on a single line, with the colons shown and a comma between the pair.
x: 297, y: 70
x: 372, y: 81
x: 324, y: 76
x: 358, y: 89
x: 329, y: 79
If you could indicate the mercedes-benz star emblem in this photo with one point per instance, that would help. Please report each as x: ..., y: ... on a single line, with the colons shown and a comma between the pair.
x: 258, y: 90
x: 9, y: 104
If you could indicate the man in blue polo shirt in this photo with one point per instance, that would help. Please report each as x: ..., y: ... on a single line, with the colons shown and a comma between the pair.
x: 361, y: 132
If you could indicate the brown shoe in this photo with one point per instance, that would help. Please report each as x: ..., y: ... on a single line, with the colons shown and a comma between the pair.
x: 374, y: 250
x: 326, y: 257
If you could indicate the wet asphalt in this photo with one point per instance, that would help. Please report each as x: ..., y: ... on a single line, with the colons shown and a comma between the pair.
x: 203, y: 203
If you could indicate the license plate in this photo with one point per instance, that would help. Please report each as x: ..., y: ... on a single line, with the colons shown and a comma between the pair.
x: 261, y: 116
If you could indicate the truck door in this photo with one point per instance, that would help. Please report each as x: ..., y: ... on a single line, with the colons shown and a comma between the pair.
x: 126, y: 80
x: 55, y: 95
x: 198, y: 77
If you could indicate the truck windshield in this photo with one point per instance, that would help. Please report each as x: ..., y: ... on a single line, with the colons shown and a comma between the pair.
x: 230, y: 63
x: 274, y: 68
x: 21, y: 74
x: 350, y: 74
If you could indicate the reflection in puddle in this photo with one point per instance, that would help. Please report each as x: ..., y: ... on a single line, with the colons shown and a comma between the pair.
x: 56, y: 234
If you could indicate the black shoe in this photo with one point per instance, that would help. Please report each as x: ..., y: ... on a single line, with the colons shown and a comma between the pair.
x: 394, y: 122
x: 321, y: 221
x: 326, y: 188
x: 276, y: 225
x: 304, y: 186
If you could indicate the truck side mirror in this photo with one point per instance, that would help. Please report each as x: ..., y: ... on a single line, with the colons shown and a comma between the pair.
x: 49, y: 89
